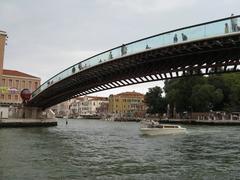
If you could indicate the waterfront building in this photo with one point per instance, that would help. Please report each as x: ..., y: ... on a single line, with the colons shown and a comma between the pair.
x: 129, y: 104
x: 62, y: 109
x: 12, y: 84
x: 102, y: 110
x: 13, y: 81
x: 88, y: 105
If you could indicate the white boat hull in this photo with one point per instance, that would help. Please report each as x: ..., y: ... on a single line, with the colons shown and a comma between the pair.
x: 159, y: 131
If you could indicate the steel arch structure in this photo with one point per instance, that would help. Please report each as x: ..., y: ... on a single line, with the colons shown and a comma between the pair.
x: 215, y: 53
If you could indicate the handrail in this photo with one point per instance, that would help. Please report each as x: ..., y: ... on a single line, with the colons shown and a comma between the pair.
x: 194, y: 32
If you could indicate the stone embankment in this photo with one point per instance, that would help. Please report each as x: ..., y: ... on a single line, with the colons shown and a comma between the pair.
x: 179, y: 121
x: 200, y: 122
x: 5, y: 123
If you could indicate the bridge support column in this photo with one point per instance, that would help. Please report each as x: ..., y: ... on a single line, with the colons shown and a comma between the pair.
x: 30, y: 113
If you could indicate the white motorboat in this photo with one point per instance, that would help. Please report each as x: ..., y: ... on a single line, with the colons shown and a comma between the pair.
x: 162, y: 129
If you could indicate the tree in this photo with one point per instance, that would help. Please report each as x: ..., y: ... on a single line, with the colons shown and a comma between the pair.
x: 179, y: 91
x: 232, y: 82
x: 197, y: 93
x: 154, y: 100
x: 205, y: 97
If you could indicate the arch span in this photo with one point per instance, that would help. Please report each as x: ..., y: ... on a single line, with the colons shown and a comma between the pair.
x: 206, y: 48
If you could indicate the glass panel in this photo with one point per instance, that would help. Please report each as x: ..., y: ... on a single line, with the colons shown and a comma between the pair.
x: 211, y: 29
x: 215, y: 29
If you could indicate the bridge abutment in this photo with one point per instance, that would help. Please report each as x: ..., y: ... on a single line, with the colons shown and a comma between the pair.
x: 22, y: 116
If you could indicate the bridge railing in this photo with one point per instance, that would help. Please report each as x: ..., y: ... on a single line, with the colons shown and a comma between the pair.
x: 201, y: 31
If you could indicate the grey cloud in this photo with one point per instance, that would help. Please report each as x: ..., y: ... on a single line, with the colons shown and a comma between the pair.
x: 47, y: 36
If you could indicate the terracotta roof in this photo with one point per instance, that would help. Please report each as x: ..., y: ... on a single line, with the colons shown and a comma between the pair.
x: 91, y: 98
x: 98, y: 99
x: 79, y: 98
x: 17, y: 73
x: 130, y: 94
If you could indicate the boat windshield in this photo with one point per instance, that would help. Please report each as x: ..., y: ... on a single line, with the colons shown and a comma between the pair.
x: 170, y: 126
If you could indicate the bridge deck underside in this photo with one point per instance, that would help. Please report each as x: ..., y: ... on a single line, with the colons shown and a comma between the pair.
x: 215, y: 55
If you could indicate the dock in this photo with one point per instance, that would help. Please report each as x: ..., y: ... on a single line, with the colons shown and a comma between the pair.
x: 14, y: 123
x: 180, y: 121
x: 200, y: 122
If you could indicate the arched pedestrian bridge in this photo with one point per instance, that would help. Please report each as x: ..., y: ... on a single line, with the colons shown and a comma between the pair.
x: 212, y: 47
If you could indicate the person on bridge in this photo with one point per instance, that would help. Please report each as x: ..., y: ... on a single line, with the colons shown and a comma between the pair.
x: 226, y: 30
x: 184, y: 37
x: 123, y: 49
x: 110, y: 55
x: 80, y: 66
x: 147, y: 47
x: 234, y: 23
x: 175, y: 38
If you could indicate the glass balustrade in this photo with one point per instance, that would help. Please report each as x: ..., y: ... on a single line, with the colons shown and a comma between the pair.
x: 197, y: 32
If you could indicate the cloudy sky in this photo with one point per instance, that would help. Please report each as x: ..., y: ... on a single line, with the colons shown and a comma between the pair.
x: 47, y: 36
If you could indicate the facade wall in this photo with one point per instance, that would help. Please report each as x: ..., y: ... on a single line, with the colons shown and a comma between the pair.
x: 102, y: 109
x: 127, y: 104
x: 94, y: 104
x: 62, y: 109
x: 11, y: 87
x: 87, y: 105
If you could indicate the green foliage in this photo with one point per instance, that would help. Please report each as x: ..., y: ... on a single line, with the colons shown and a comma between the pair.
x: 199, y: 94
x: 232, y: 82
x: 154, y: 100
x: 205, y: 97
x: 179, y: 91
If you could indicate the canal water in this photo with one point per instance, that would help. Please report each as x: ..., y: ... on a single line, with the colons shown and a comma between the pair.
x: 95, y: 149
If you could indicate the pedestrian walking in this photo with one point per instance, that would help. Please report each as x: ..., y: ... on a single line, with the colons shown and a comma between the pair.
x: 226, y: 29
x: 175, y: 38
x: 234, y: 23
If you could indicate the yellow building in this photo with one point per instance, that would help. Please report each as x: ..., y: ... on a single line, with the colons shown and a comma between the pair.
x: 12, y: 81
x: 127, y: 104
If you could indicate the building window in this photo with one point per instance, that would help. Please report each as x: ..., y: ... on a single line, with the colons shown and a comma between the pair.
x: 10, y: 82
x: 36, y: 85
x: 2, y: 96
x: 30, y: 84
x: 17, y: 84
x: 23, y: 84
x: 9, y: 97
x: 3, y: 81
x: 16, y: 97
